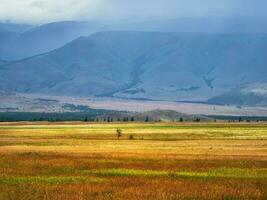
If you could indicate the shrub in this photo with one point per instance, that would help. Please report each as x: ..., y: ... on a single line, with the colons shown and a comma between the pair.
x: 119, y: 133
x: 131, y: 137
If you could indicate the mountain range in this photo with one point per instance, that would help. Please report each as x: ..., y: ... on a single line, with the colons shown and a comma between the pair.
x: 144, y: 65
x: 27, y: 40
x: 156, y: 61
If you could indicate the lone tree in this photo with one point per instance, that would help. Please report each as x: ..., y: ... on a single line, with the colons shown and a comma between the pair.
x: 119, y: 133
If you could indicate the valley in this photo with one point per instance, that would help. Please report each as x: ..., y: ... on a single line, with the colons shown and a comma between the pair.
x: 133, y: 100
x: 57, y: 104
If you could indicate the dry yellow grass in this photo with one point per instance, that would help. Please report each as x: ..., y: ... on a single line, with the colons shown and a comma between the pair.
x: 160, y: 161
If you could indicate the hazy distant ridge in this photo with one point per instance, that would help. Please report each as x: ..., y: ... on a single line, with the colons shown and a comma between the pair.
x: 143, y: 65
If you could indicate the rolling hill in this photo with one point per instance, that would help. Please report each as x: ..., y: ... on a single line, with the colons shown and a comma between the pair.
x: 143, y: 65
x: 154, y: 115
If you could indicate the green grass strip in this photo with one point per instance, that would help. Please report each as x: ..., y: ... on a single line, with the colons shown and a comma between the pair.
x: 216, y: 173
x: 47, y: 180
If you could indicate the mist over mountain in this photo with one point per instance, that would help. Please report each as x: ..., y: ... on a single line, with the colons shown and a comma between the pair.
x: 46, y: 38
x: 8, y: 33
x: 16, y: 45
x: 47, y: 11
x: 143, y: 65
x: 246, y: 95
x: 211, y: 24
x: 15, y: 28
x: 217, y: 60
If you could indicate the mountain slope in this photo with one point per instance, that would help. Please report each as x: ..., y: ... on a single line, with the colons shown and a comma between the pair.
x: 47, y: 37
x: 8, y: 33
x: 197, y: 66
x: 81, y: 64
x: 246, y: 95
x: 143, y: 65
x: 2, y: 63
x: 6, y: 37
x: 15, y: 28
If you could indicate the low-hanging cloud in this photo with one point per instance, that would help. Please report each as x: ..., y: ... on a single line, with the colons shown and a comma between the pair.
x: 43, y: 11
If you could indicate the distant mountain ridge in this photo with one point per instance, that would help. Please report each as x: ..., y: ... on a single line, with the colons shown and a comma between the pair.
x: 15, y: 28
x: 33, y: 40
x: 143, y: 65
x: 211, y: 25
x: 45, y: 38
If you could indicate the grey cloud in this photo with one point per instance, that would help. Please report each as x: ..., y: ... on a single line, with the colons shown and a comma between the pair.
x: 43, y: 11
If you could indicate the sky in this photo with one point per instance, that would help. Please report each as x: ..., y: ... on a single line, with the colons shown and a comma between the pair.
x: 45, y: 11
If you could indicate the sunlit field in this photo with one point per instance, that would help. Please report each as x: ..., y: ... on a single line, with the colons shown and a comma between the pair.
x: 149, y: 161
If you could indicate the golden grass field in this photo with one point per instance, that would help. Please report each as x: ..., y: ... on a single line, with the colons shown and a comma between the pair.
x: 151, y: 161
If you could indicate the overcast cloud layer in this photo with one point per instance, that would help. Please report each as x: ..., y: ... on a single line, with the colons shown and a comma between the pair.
x: 44, y: 11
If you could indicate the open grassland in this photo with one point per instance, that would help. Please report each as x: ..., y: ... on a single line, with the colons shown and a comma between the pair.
x: 150, y: 161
